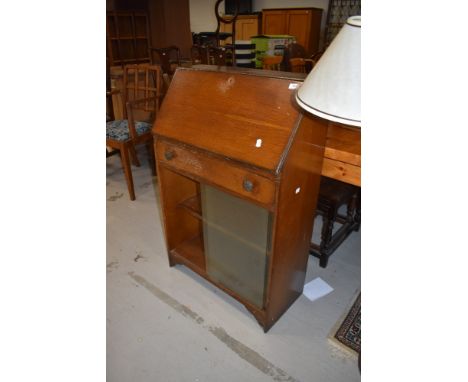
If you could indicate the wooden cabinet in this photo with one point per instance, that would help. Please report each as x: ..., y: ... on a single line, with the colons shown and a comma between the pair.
x: 303, y: 23
x: 247, y: 26
x: 274, y: 22
x: 168, y: 22
x: 239, y: 172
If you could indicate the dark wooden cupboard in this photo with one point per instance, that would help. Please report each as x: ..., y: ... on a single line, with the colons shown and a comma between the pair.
x: 303, y: 23
x: 168, y: 22
x: 239, y: 171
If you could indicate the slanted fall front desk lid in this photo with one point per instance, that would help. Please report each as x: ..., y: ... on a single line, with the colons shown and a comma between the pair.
x: 243, y: 115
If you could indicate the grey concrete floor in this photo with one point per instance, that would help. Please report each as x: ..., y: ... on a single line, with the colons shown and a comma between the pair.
x: 169, y: 324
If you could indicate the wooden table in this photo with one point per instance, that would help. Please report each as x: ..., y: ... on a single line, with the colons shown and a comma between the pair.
x: 342, y: 158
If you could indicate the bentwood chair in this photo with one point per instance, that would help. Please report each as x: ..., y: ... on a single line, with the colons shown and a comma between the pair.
x: 141, y: 94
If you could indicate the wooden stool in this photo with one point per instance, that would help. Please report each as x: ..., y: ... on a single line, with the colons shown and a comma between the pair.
x: 334, y: 194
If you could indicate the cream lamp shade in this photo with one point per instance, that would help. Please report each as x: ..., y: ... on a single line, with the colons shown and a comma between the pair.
x: 332, y: 90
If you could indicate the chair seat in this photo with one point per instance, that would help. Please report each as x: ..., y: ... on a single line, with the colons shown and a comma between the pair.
x: 118, y: 130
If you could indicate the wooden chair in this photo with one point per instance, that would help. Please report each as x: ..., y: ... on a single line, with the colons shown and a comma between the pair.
x: 109, y: 103
x: 315, y: 58
x: 332, y: 195
x: 169, y: 59
x: 199, y: 54
x: 218, y: 56
x: 272, y: 62
x: 293, y: 50
x: 141, y: 96
x: 297, y: 65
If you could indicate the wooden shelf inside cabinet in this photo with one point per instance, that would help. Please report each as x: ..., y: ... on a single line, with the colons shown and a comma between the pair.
x: 190, y: 253
x: 239, y: 173
x: 193, y: 206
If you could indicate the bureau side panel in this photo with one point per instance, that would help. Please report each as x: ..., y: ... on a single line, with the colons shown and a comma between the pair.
x: 297, y: 199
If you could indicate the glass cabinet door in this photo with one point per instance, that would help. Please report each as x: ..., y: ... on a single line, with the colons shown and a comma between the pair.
x: 236, y: 235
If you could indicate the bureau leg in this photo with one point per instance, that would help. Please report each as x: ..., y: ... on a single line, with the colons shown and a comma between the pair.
x: 172, y: 262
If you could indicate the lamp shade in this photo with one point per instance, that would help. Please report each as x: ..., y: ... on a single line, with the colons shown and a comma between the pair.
x: 332, y: 90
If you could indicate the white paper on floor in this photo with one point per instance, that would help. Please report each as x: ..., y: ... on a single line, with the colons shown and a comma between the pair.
x: 316, y: 288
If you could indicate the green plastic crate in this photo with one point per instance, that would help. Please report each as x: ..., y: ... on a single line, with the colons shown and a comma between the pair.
x: 270, y: 45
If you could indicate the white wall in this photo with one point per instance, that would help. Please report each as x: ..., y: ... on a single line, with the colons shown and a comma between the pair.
x: 203, y: 19
x: 258, y: 5
x: 202, y: 15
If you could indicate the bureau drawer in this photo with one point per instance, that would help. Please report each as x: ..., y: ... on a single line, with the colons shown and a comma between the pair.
x: 217, y: 171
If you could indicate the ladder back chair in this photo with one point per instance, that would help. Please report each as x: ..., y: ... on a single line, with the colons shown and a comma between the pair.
x: 141, y: 96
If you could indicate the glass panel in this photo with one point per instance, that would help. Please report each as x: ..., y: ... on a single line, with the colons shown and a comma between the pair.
x: 236, y: 237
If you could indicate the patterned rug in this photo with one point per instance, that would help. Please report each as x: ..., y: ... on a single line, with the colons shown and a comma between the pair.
x: 349, y: 332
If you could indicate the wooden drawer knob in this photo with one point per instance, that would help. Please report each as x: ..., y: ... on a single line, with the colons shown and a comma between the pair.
x: 169, y: 154
x: 248, y: 185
